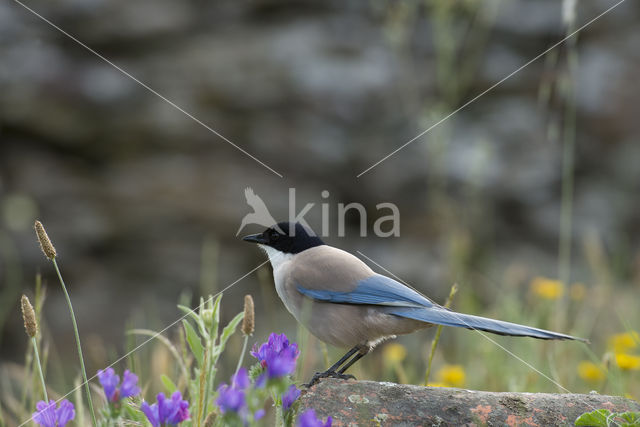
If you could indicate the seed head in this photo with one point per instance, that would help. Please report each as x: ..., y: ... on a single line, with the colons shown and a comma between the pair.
x: 29, y: 317
x: 248, y: 322
x: 45, y: 242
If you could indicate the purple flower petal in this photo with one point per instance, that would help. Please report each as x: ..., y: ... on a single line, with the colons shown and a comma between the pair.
x: 277, y: 355
x: 282, y: 363
x: 166, y: 408
x: 48, y: 416
x: 259, y: 414
x: 129, y: 386
x: 255, y: 352
x: 151, y: 412
x: 290, y: 396
x: 230, y: 399
x: 179, y: 409
x: 278, y: 342
x: 109, y: 381
x: 309, y: 419
x: 240, y: 380
x: 65, y: 413
x: 45, y: 415
x: 183, y: 413
x: 167, y: 411
x: 261, y: 381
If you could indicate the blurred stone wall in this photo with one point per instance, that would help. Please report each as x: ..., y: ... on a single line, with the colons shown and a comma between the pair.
x: 136, y: 195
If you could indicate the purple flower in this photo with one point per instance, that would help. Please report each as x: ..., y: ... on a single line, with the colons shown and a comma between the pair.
x: 48, y: 416
x: 129, y: 386
x: 166, y: 411
x: 110, y: 380
x: 309, y: 419
x: 259, y: 414
x: 289, y: 396
x: 240, y: 380
x: 277, y: 356
x: 231, y: 398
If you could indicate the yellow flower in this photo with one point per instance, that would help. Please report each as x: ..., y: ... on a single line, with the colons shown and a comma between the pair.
x: 437, y: 385
x: 452, y: 375
x: 394, y: 353
x: 590, y: 372
x: 622, y: 343
x: 578, y: 291
x: 628, y: 362
x: 547, y: 288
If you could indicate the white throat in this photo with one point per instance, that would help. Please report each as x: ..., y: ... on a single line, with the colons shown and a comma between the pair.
x: 276, y: 257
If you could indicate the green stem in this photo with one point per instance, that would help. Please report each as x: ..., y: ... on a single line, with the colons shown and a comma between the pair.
x: 279, y: 421
x: 434, y: 344
x: 209, y: 366
x: 244, y: 349
x: 568, y: 163
x: 75, y: 330
x: 44, y: 386
x: 204, y: 384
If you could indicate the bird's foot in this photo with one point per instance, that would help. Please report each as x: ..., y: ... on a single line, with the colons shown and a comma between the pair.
x: 328, y: 374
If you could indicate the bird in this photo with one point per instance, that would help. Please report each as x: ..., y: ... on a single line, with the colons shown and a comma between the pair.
x: 260, y: 214
x: 344, y: 303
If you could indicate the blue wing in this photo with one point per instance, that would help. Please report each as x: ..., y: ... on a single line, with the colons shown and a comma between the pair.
x: 375, y: 290
x: 402, y: 301
x: 442, y: 316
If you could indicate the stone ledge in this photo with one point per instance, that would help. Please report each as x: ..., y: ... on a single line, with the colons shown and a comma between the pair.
x: 368, y: 403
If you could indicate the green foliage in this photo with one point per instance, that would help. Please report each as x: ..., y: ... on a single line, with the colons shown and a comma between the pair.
x: 594, y: 418
x: 168, y: 384
x: 606, y: 418
x: 204, y: 338
x: 195, y: 344
x: 630, y: 418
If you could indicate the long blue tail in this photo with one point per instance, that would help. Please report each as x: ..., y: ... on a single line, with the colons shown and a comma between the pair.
x: 442, y: 316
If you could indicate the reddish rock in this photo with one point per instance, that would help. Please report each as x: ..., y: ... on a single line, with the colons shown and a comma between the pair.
x: 367, y: 403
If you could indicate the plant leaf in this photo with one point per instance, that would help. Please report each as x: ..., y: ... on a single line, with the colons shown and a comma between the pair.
x: 168, y: 384
x: 597, y: 418
x: 229, y: 330
x: 192, y: 313
x: 194, y: 341
x: 632, y: 419
x: 216, y: 317
x: 133, y: 413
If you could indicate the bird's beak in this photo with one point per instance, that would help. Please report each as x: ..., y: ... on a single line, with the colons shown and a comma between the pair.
x: 255, y: 238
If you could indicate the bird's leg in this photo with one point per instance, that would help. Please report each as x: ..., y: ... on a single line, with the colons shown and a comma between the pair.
x: 355, y: 358
x: 333, y: 371
x: 344, y: 358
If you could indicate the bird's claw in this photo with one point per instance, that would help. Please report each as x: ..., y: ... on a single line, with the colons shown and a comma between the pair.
x: 328, y: 374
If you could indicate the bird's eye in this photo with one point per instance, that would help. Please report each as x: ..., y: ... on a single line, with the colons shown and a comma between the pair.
x: 274, y: 235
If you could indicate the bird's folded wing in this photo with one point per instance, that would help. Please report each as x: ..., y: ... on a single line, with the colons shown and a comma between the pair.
x: 400, y: 300
x: 375, y: 290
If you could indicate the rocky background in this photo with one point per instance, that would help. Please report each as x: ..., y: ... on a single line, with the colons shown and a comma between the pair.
x: 143, y: 203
